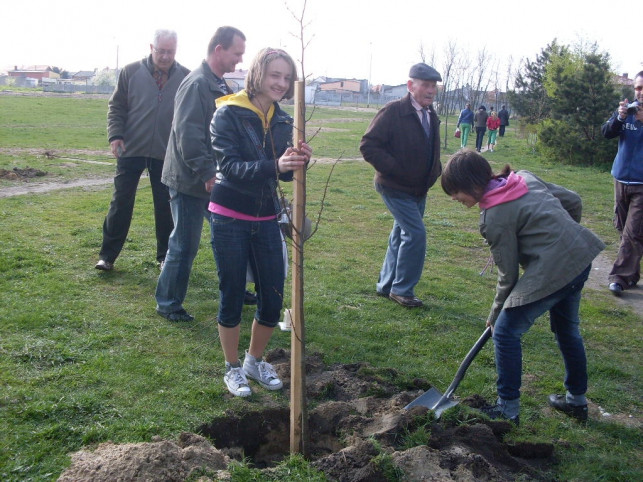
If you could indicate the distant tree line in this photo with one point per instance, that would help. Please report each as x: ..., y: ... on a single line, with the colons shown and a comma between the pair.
x: 564, y: 95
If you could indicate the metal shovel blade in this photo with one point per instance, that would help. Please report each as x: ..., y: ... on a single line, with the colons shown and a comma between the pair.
x: 436, y: 401
x: 433, y: 400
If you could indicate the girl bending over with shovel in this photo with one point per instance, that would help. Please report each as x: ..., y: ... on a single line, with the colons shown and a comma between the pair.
x: 532, y: 224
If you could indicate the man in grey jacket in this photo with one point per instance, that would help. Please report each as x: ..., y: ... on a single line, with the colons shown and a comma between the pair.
x: 189, y: 169
x: 138, y: 126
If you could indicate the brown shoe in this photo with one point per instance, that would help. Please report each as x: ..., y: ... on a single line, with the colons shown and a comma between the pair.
x: 408, y: 301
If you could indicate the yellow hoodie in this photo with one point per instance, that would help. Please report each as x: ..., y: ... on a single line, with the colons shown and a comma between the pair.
x: 241, y: 99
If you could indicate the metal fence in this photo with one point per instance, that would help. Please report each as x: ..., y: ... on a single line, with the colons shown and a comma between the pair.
x: 349, y: 99
x: 86, y: 89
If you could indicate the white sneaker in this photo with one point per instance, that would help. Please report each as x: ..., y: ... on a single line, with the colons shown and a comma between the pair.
x: 237, y: 383
x: 263, y: 373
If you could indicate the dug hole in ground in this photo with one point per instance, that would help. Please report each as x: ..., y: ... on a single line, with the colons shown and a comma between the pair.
x: 358, y: 415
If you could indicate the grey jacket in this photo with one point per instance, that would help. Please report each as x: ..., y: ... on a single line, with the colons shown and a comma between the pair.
x: 139, y: 113
x: 189, y: 161
x: 539, y: 232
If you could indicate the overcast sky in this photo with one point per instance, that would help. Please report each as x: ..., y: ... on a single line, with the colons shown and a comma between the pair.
x: 369, y: 39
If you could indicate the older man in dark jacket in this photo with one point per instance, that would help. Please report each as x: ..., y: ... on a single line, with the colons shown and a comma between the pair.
x: 403, y: 145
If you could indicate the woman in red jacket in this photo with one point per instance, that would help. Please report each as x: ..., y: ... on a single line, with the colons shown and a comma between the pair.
x: 493, y: 122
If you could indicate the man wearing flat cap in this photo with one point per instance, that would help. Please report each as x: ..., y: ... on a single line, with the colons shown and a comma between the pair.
x: 403, y: 145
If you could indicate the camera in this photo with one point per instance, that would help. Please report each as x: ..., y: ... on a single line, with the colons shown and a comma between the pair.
x: 633, y: 108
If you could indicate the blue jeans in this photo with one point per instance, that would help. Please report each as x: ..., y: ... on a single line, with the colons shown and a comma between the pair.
x: 119, y: 217
x: 563, y: 318
x: 404, y: 260
x: 188, y: 213
x: 237, y: 244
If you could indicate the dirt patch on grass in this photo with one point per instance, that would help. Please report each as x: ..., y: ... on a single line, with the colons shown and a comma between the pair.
x: 18, y: 174
x: 358, y: 431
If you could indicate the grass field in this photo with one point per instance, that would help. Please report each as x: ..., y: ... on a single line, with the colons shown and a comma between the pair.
x: 85, y: 359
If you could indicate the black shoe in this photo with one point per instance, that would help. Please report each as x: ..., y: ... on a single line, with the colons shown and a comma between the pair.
x: 249, y: 298
x: 104, y: 265
x: 559, y: 402
x: 494, y: 412
x: 180, y: 315
x: 616, y: 289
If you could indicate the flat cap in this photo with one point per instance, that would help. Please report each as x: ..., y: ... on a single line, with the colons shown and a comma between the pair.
x: 424, y: 72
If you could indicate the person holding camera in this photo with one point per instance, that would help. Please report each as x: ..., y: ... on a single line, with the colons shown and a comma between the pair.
x: 627, y: 124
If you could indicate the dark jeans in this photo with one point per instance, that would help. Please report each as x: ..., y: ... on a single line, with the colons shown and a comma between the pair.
x: 119, y: 217
x: 563, y: 318
x: 501, y: 131
x: 235, y: 244
x: 628, y: 220
x: 480, y: 137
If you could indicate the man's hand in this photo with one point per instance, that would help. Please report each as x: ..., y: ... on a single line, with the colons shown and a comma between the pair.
x: 622, y: 110
x: 490, y: 324
x: 117, y: 147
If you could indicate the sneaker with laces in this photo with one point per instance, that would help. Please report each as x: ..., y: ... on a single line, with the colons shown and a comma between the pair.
x: 237, y: 383
x: 560, y: 403
x: 263, y: 373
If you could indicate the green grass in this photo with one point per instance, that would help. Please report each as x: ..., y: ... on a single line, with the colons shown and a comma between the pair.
x: 85, y: 359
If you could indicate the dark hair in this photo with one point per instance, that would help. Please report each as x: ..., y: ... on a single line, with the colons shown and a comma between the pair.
x: 469, y: 173
x: 224, y: 36
x: 640, y: 74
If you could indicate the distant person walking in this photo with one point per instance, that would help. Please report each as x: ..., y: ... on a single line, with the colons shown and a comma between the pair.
x: 465, y: 122
x: 503, y: 114
x: 480, y: 121
x: 139, y: 117
x: 403, y: 145
x: 627, y: 170
x: 189, y: 169
x: 493, y: 122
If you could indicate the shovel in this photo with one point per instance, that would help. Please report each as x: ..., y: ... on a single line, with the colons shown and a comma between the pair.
x: 433, y: 399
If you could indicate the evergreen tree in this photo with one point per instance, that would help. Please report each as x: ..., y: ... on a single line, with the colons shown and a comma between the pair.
x: 581, y: 95
x: 529, y: 99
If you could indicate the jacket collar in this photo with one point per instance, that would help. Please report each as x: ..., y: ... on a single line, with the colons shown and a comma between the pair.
x: 408, y: 108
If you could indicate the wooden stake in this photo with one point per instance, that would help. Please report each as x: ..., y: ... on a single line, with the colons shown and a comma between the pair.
x: 298, y: 412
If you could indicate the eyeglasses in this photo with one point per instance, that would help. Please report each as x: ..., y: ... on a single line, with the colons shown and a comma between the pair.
x: 163, y: 51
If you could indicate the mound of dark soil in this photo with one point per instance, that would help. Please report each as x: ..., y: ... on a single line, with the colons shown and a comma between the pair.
x: 358, y: 431
x: 17, y: 174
